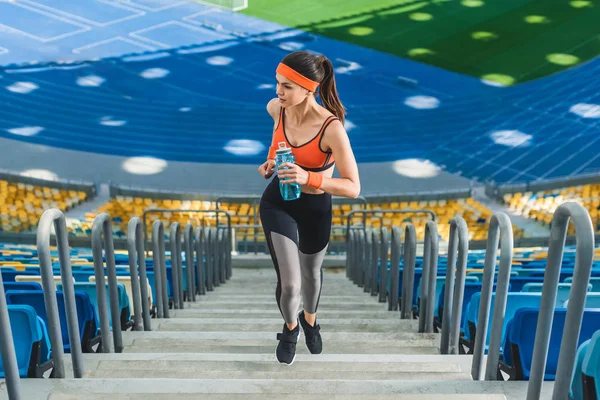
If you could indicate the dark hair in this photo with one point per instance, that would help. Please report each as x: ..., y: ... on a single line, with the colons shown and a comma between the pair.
x: 318, y: 69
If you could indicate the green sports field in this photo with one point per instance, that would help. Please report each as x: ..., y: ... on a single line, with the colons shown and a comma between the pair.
x: 509, y: 41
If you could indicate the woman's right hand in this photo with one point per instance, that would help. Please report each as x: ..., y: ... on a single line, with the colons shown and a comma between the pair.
x: 267, y: 169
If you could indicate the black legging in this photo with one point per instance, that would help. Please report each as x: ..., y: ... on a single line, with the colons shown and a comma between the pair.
x: 297, y: 232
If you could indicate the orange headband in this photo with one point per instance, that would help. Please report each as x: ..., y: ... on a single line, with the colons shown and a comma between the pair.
x: 296, y: 77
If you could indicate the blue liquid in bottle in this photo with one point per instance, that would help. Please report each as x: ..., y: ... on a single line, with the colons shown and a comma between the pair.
x: 289, y: 191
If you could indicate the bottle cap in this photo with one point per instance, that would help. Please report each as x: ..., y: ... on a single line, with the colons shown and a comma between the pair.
x: 283, y: 149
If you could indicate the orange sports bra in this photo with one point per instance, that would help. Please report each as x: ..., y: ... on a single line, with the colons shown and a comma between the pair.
x: 309, y: 155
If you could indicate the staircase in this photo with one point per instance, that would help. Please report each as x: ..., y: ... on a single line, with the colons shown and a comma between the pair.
x: 223, y: 347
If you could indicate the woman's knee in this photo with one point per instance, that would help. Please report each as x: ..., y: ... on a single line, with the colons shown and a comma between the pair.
x: 290, y: 290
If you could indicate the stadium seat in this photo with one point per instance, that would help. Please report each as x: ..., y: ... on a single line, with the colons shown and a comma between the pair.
x: 594, y: 281
x: 86, y: 317
x: 90, y: 290
x: 591, y: 369
x: 521, y: 337
x: 576, y: 391
x: 562, y: 295
x: 514, y: 301
x: 30, y: 338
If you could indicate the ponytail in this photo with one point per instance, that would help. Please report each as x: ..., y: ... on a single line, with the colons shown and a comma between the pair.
x: 328, y: 91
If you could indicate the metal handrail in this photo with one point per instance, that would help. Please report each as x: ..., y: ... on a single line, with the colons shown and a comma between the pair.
x: 584, y: 259
x: 201, y: 270
x: 454, y: 295
x: 428, y: 278
x: 360, y: 264
x: 212, y: 245
x: 190, y: 263
x: 408, y: 274
x: 499, y: 224
x: 367, y: 260
x: 160, y: 269
x: 139, y: 282
x: 350, y: 255
x: 383, y: 258
x: 375, y: 254
x: 103, y: 228
x: 210, y: 270
x: 176, y: 267
x: 56, y: 217
x: 395, y: 272
x: 7, y: 350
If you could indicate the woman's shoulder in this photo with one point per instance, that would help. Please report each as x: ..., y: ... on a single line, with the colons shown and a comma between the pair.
x: 274, y: 108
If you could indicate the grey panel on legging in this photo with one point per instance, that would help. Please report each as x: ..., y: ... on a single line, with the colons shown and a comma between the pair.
x: 287, y: 255
x: 312, y: 279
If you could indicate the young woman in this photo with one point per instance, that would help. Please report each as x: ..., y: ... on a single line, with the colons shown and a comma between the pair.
x: 297, y: 231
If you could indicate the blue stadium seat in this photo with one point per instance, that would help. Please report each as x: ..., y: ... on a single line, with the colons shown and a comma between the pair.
x: 514, y: 301
x: 517, y: 282
x: 592, y: 300
x: 576, y: 392
x: 16, y: 286
x: 9, y: 276
x: 88, y: 329
x: 521, y: 338
x: 564, y: 289
x: 90, y: 289
x: 29, y: 337
x: 591, y: 369
x: 594, y: 281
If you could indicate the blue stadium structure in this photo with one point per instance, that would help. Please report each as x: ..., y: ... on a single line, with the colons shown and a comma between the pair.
x: 204, y: 103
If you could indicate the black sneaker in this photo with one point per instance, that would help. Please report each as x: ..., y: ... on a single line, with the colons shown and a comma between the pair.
x: 286, y: 349
x: 312, y: 335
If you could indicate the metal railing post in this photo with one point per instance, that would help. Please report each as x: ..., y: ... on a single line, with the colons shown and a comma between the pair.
x: 453, y: 298
x: 7, y: 350
x: 139, y: 279
x: 176, y: 269
x: 428, y: 280
x: 103, y: 228
x: 214, y: 240
x: 210, y: 282
x: 395, y: 269
x: 584, y: 259
x: 221, y: 255
x: 190, y: 264
x: 160, y: 269
x: 499, y: 224
x: 383, y: 265
x: 348, y: 254
x: 56, y: 217
x: 408, y: 275
x: 360, y: 265
x: 367, y: 261
x: 201, y: 266
x: 375, y: 254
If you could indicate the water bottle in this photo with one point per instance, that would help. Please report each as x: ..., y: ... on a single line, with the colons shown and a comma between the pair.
x: 289, y: 191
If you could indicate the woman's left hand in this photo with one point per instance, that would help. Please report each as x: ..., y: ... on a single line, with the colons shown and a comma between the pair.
x: 292, y: 174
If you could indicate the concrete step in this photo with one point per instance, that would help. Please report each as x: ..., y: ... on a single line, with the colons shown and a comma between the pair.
x: 407, y: 339
x: 152, y: 388
x: 276, y: 324
x: 64, y: 396
x: 269, y: 348
x: 323, y: 306
x: 273, y: 312
x: 247, y: 372
x: 271, y: 297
